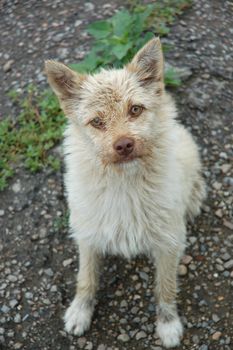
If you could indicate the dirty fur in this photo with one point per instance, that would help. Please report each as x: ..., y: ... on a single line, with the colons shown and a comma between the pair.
x: 127, y: 205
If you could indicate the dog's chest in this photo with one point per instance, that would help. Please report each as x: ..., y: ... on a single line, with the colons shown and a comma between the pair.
x: 120, y: 219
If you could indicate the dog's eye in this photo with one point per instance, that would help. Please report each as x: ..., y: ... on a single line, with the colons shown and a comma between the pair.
x: 135, y: 111
x: 97, y: 123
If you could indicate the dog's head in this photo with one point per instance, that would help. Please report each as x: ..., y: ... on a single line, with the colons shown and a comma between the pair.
x: 118, y: 112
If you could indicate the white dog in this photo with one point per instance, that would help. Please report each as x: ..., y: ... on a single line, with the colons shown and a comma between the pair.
x: 132, y: 178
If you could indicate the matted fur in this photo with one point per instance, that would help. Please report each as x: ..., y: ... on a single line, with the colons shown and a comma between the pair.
x: 138, y: 206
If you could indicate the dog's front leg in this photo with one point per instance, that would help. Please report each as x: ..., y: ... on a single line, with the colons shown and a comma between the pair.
x: 169, y: 327
x: 78, y: 315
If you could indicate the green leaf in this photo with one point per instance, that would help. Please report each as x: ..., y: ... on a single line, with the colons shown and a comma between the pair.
x: 121, y: 50
x: 121, y: 21
x: 90, y: 63
x: 171, y: 77
x: 162, y: 29
x: 140, y: 18
x: 100, y: 29
x: 148, y: 36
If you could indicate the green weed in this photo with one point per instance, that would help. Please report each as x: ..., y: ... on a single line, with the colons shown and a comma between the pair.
x: 117, y: 39
x: 38, y: 128
x: 164, y: 13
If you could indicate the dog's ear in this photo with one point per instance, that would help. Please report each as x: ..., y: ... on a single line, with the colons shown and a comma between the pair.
x: 63, y: 80
x: 148, y: 62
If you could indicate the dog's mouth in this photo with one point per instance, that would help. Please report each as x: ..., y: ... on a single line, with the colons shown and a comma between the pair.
x: 128, y: 159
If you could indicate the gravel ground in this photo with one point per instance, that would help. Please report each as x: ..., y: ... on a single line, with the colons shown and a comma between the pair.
x: 38, y: 260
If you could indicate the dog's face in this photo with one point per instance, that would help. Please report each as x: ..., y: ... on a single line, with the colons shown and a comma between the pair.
x: 115, y: 110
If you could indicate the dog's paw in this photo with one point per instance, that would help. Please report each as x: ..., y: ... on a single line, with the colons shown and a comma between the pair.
x: 170, y: 332
x: 78, y: 317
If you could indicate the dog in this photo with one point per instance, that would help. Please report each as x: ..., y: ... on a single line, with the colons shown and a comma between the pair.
x: 133, y: 178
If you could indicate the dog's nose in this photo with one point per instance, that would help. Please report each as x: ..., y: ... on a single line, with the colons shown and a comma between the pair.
x: 124, y: 146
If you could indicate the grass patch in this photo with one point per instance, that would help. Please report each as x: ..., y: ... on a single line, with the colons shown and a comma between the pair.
x: 38, y: 128
x: 163, y: 14
x: 115, y: 41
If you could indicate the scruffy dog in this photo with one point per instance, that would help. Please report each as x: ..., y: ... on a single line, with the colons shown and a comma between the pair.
x: 132, y: 178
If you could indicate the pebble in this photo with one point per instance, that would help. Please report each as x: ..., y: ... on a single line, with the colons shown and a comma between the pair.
x: 101, y: 347
x: 58, y: 37
x: 134, y: 310
x: 10, y: 333
x: 43, y: 233
x: 215, y: 318
x: 34, y: 237
x: 17, y: 318
x: 144, y: 276
x: 123, y: 304
x: 89, y: 345
x: 228, y: 224
x: 54, y: 289
x: 219, y: 213
x: 141, y: 335
x: 226, y: 256
x: 8, y: 65
x: 217, y: 185
x: 67, y: 262
x: 62, y: 52
x: 123, y: 337
x: 186, y: 259
x: 195, y: 339
x: 151, y: 307
x: 216, y: 335
x: 204, y: 347
x: 89, y: 6
x: 16, y: 187
x: 5, y: 309
x: 182, y: 270
x: 13, y: 303
x: 220, y: 268
x: 81, y: 342
x: 41, y: 77
x: 192, y: 239
x: 223, y: 155
x: 2, y: 212
x: 229, y: 264
x: 225, y: 167
x: 2, y: 339
x: 12, y: 278
x: 228, y: 181
x: 77, y: 23
x: 3, y: 286
x: 29, y: 295
x: 49, y: 272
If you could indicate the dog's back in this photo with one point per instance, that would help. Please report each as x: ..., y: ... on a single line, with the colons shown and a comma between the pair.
x: 193, y: 185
